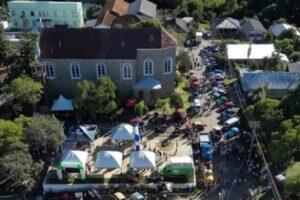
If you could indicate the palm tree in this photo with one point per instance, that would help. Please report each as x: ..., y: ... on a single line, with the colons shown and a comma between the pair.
x: 257, y: 94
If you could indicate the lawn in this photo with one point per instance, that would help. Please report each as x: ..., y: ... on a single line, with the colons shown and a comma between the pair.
x: 182, y: 89
x: 293, y: 169
x: 179, y: 36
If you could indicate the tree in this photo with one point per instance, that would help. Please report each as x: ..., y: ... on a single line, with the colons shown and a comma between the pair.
x: 292, y: 181
x: 46, y: 132
x: 295, y: 56
x: 94, y: 99
x: 5, y: 49
x: 141, y: 108
x: 147, y: 24
x: 10, y: 133
x: 26, y: 91
x: 257, y: 95
x: 176, y: 100
x: 163, y: 104
x: 184, y: 62
x: 269, y: 36
x: 285, y: 46
x: 27, y: 51
x: 267, y: 111
x: 289, y: 34
x: 191, y: 34
x: 291, y: 104
x: 274, y: 63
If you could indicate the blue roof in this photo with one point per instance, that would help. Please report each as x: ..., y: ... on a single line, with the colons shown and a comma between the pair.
x: 147, y: 83
x: 270, y: 80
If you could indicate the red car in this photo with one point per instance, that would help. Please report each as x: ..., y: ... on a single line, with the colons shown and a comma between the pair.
x: 228, y: 104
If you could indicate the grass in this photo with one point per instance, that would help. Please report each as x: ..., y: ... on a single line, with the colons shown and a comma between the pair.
x: 230, y: 81
x: 182, y: 89
x: 179, y: 36
x: 205, y: 26
x: 293, y: 169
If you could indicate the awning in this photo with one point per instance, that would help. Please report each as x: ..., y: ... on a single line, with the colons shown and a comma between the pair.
x: 142, y: 159
x: 147, y: 83
x: 62, y: 104
x: 109, y: 159
x: 123, y: 132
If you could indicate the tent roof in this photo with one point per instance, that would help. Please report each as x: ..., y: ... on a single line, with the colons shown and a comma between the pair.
x: 227, y: 23
x: 109, y: 159
x: 271, y: 80
x: 123, y: 132
x: 89, y: 130
x: 277, y: 29
x: 147, y: 83
x: 62, y: 104
x: 72, y: 158
x: 181, y: 159
x: 142, y: 159
x: 257, y: 51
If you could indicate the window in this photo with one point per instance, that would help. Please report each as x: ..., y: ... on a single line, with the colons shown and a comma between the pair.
x: 127, y: 71
x: 75, y: 70
x: 148, y: 67
x: 101, y: 70
x: 54, y: 13
x: 168, y: 65
x: 43, y: 13
x: 49, y: 70
x: 40, y: 14
x: 13, y: 13
x: 32, y: 13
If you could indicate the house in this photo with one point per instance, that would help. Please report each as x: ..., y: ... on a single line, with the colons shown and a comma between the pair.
x: 121, y: 12
x: 227, y: 27
x: 278, y: 29
x: 184, y: 24
x: 253, y: 29
x: 252, y: 51
x: 277, y: 84
x: 37, y: 14
x: 139, y: 61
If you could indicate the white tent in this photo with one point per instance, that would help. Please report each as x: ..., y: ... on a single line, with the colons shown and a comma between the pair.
x: 109, y: 159
x: 142, y: 159
x: 62, y: 104
x: 123, y: 132
x: 72, y: 159
x: 181, y: 159
x: 255, y: 51
x: 277, y: 29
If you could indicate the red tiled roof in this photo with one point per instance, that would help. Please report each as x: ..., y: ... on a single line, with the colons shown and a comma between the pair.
x: 111, y: 10
x: 63, y: 43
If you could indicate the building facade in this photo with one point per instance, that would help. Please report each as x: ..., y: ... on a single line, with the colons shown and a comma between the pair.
x: 141, y: 62
x: 35, y: 14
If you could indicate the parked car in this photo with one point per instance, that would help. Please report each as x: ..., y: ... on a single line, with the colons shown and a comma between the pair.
x: 231, y: 122
x: 234, y: 131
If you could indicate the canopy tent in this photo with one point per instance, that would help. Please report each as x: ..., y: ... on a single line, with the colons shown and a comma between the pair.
x: 147, y: 83
x: 277, y: 29
x: 123, y: 132
x: 245, y: 51
x: 142, y: 159
x: 109, y: 159
x: 83, y: 133
x: 62, y: 104
x: 73, y: 159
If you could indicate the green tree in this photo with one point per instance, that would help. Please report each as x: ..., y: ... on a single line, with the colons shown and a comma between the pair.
x: 18, y: 166
x: 141, y: 108
x: 269, y: 36
x: 91, y: 99
x: 26, y: 91
x: 285, y: 46
x: 267, y: 111
x: 274, y: 63
x: 257, y: 95
x: 163, y: 105
x: 27, y: 51
x: 5, y: 49
x: 176, y: 100
x: 191, y: 34
x: 147, y: 24
x: 10, y: 133
x: 295, y: 56
x: 291, y: 104
x: 288, y: 34
x: 292, y: 181
x: 46, y: 132
x: 184, y: 62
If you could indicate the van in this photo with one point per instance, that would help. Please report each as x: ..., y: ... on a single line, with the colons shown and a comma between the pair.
x: 232, y: 121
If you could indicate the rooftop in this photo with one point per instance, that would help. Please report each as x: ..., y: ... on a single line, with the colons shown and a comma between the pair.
x: 250, y: 25
x: 142, y: 6
x: 61, y: 43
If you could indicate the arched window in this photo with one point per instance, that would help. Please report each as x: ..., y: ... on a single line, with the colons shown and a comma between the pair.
x: 127, y: 71
x: 101, y: 69
x: 75, y: 70
x: 49, y: 70
x: 168, y: 65
x: 148, y: 67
